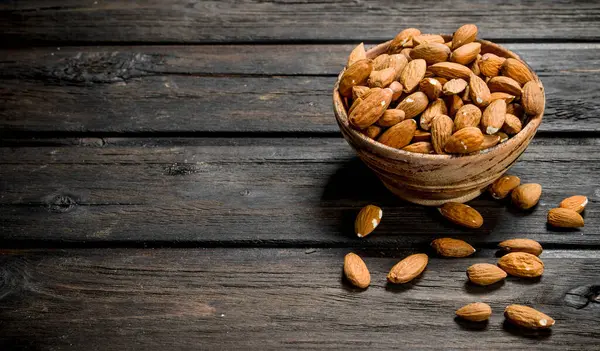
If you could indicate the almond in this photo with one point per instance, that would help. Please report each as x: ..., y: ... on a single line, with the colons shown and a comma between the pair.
x: 466, y: 53
x: 521, y: 264
x: 355, y: 103
x: 488, y: 142
x: 406, y: 54
x: 515, y: 109
x: 441, y: 131
x: 504, y: 96
x: 526, y: 196
x: 480, y: 93
x: 431, y: 87
x: 357, y: 74
x: 436, y: 108
x: 564, y: 218
x: 357, y: 54
x: 450, y: 70
x: 398, y: 62
x: 399, y: 135
x: 408, y: 269
x: 494, y: 116
x: 454, y: 103
x: 467, y: 116
x: 421, y: 135
x: 512, y: 124
x: 461, y: 214
x: 413, y: 104
x: 449, y: 247
x: 430, y: 52
x: 420, y: 147
x: 485, y: 274
x: 474, y: 66
x: 504, y: 85
x: 397, y: 89
x: 372, y: 131
x: 356, y: 271
x: 466, y: 95
x: 381, y: 79
x: 503, y: 136
x: 381, y: 62
x: 442, y: 80
x: 516, y: 70
x: 521, y: 245
x: 371, y: 108
x: 464, y: 35
x: 427, y: 38
x: 503, y: 186
x: 390, y: 118
x: 367, y: 220
x: 359, y: 91
x: 490, y: 65
x: 475, y: 312
x: 533, y: 98
x: 399, y: 42
x: 464, y: 141
x: 454, y: 86
x: 576, y: 203
x: 528, y: 317
x: 412, y: 75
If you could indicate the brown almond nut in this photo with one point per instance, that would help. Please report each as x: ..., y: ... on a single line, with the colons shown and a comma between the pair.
x: 504, y: 85
x: 356, y: 271
x: 398, y: 62
x: 464, y: 141
x: 406, y: 54
x: 488, y: 142
x: 355, y: 103
x: 521, y: 245
x: 421, y: 135
x: 412, y: 75
x: 528, y: 317
x: 512, y: 124
x: 490, y: 65
x: 564, y: 218
x: 576, y: 203
x: 436, y: 108
x: 466, y: 95
x: 357, y: 54
x: 442, y: 80
x: 467, y: 116
x: 367, y: 220
x: 533, y: 98
x: 420, y: 147
x: 485, y: 274
x: 504, y: 96
x: 359, y: 91
x: 450, y: 70
x: 381, y: 79
x: 427, y: 38
x: 391, y: 117
x: 431, y: 87
x: 372, y: 131
x: 474, y: 66
x: 516, y: 70
x: 475, y: 312
x: 430, y: 52
x: 449, y: 247
x: 397, y: 89
x: 357, y: 74
x: 402, y: 39
x: 521, y: 264
x: 408, y: 269
x: 441, y: 131
x: 448, y: 44
x: 494, y: 116
x: 371, y: 108
x: 525, y: 196
x: 461, y: 214
x: 503, y: 136
x: 454, y: 86
x: 381, y: 62
x: 399, y: 135
x: 413, y: 104
x: 515, y: 109
x: 454, y: 103
x: 480, y: 93
x: 504, y: 186
x: 464, y: 35
x: 466, y: 53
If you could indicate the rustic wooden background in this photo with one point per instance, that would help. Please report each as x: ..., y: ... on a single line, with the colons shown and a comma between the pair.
x: 171, y: 176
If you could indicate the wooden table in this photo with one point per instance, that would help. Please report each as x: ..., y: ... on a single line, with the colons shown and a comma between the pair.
x: 171, y: 177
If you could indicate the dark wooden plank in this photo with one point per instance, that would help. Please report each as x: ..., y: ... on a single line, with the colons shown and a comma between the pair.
x: 247, y: 21
x: 259, y: 299
x: 279, y: 191
x: 190, y: 89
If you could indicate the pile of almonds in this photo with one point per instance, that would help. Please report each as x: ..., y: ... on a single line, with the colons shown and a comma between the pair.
x: 447, y: 97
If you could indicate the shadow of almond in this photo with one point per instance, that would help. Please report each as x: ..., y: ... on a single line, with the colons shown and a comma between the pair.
x: 513, y: 329
x: 470, y: 325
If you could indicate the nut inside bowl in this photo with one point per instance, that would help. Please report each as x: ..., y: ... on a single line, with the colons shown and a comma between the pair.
x: 431, y: 179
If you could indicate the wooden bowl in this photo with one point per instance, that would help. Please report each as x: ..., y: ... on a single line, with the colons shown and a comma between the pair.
x: 432, y: 180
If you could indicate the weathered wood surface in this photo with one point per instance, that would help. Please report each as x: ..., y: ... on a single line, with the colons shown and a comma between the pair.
x: 232, y: 88
x: 180, y: 21
x: 260, y: 191
x: 106, y: 299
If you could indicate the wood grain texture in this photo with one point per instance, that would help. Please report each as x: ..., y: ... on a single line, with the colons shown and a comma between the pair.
x: 182, y: 21
x: 259, y: 299
x: 260, y: 191
x: 232, y: 88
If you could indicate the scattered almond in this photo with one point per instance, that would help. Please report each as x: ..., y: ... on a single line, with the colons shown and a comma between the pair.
x: 464, y: 141
x: 576, y: 203
x: 449, y: 247
x: 420, y: 147
x: 485, y: 274
x: 504, y: 186
x: 564, y: 218
x: 521, y: 264
x: 408, y: 269
x: 356, y: 271
x: 526, y: 196
x: 367, y: 220
x: 528, y: 317
x: 461, y: 214
x: 521, y: 245
x: 475, y: 312
x: 399, y: 135
x: 454, y: 86
x: 441, y: 131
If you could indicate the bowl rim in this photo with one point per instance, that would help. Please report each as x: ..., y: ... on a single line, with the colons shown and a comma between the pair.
x: 528, y: 131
